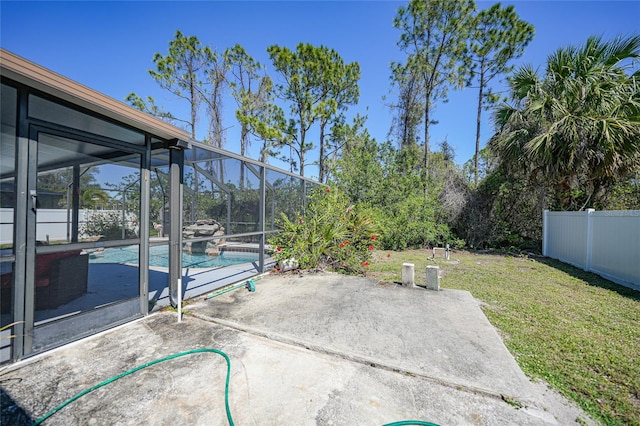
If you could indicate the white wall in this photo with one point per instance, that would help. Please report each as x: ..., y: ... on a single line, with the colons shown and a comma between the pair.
x: 51, y: 223
x: 604, y: 242
x: 6, y: 226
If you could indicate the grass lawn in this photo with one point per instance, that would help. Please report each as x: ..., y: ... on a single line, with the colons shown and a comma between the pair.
x: 577, y: 331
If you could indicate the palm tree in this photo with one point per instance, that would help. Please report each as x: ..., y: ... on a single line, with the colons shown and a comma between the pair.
x: 95, y: 198
x: 579, y: 124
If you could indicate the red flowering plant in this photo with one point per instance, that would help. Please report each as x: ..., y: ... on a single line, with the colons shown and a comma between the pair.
x: 330, y: 235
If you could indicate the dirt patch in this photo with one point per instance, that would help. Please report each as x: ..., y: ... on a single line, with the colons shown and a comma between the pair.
x: 635, y: 400
x: 563, y: 410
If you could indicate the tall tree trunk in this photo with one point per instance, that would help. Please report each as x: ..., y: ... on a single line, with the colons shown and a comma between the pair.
x: 301, y: 156
x: 321, y: 162
x: 303, y: 135
x: 426, y: 143
x: 192, y: 90
x: 405, y: 132
x: 263, y: 152
x: 478, y: 118
x: 244, y: 134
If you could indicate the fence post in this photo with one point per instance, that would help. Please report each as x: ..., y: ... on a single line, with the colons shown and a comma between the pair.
x: 587, y: 263
x: 545, y: 232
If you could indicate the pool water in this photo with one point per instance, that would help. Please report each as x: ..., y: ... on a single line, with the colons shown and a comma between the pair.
x: 159, y: 256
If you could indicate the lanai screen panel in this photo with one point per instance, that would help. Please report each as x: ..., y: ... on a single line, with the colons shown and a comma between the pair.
x: 284, y: 195
x: 223, y: 189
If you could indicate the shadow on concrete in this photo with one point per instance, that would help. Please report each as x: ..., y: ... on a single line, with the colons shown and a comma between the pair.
x: 12, y: 412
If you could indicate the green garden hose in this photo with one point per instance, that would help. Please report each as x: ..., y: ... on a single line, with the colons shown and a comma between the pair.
x: 226, y: 388
x: 149, y: 364
x: 249, y: 285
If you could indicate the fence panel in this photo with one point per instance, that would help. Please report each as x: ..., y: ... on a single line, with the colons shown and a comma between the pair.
x: 604, y: 242
x: 615, y: 245
x: 53, y: 224
x: 569, y: 242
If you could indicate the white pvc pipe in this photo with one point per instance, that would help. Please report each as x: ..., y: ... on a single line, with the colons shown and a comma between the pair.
x: 179, y: 300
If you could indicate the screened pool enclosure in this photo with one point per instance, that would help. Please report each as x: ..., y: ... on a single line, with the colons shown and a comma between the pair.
x: 107, y: 213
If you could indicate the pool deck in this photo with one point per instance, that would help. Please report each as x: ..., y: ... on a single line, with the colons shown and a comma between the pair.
x: 101, y: 290
x: 196, y: 282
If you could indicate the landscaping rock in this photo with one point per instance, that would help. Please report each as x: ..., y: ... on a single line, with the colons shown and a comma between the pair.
x: 203, y: 228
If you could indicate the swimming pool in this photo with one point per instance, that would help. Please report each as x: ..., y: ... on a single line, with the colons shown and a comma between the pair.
x: 159, y: 256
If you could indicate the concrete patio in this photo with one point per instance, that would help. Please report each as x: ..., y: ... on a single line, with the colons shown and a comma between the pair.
x: 319, y: 349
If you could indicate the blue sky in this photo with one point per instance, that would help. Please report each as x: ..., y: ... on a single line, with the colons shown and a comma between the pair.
x: 109, y: 46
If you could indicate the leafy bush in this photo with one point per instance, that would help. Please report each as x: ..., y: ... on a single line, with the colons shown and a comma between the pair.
x: 390, y: 185
x: 331, y: 234
x: 504, y: 211
x: 107, y: 223
x: 411, y: 223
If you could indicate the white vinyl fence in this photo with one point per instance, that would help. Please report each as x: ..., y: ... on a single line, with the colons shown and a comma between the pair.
x: 53, y: 224
x: 604, y: 242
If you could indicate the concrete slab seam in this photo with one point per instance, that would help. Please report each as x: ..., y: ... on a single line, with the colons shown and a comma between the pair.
x: 523, y: 402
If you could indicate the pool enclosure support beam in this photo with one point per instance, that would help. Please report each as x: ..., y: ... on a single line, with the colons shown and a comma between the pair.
x: 75, y: 204
x: 74, y: 188
x: 30, y: 255
x: 262, y: 214
x: 143, y: 224
x: 176, y: 169
x: 20, y: 236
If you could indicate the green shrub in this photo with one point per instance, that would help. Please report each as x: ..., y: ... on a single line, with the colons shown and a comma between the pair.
x: 107, y: 224
x: 411, y: 223
x: 331, y: 234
